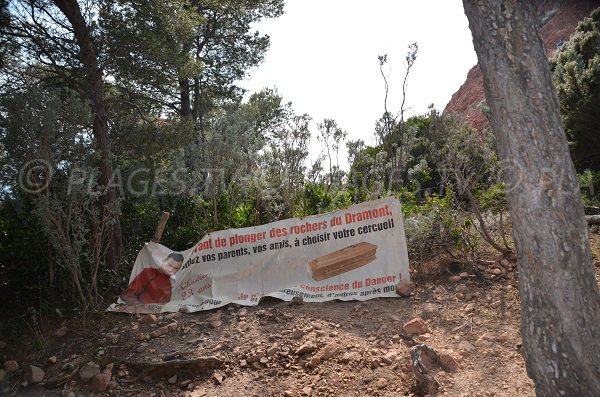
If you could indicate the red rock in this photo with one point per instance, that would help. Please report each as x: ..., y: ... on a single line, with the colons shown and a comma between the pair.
x: 328, y: 351
x: 448, y: 362
x: 405, y: 288
x: 314, y: 362
x: 34, y: 374
x: 466, y: 101
x: 416, y: 326
x: 149, y: 318
x: 381, y: 383
x: 88, y: 371
x: 308, y: 347
x: 62, y: 331
x: 350, y: 356
x: 101, y: 381
x: 164, y: 330
x: 11, y: 366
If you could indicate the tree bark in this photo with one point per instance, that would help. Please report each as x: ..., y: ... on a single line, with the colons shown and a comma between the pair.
x: 110, y: 223
x: 184, y: 90
x: 560, y: 323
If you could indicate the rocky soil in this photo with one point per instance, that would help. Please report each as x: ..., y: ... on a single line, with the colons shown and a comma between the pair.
x: 470, y: 320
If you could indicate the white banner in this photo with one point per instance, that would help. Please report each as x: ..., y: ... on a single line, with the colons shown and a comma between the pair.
x: 355, y: 253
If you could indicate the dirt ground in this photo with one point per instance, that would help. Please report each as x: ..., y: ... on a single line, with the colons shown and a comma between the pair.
x: 294, y: 349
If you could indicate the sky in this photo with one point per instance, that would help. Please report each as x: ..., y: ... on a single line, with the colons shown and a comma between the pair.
x: 324, y: 59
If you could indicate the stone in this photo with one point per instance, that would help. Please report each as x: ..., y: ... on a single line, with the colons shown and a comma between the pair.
x: 465, y: 346
x: 464, y: 275
x: 462, y: 288
x: 424, y: 337
x: 391, y: 357
x: 34, y: 374
x: 502, y: 338
x: 307, y: 391
x: 88, y: 371
x: 314, y: 362
x: 172, y: 326
x: 164, y: 330
x: 416, y: 326
x: 381, y: 383
x: 405, y: 288
x: 253, y: 358
x: 173, y: 379
x: 216, y: 324
x: 429, y: 310
x: 52, y: 360
x: 328, y: 351
x: 375, y: 363
x: 62, y: 331
x: 149, y: 318
x: 142, y: 347
x: 487, y: 337
x: 11, y: 366
x: 307, y: 347
x: 448, y: 363
x: 454, y: 279
x: 505, y: 263
x: 496, y: 304
x: 350, y: 356
x: 273, y: 349
x: 218, y: 377
x: 243, y: 363
x: 101, y: 381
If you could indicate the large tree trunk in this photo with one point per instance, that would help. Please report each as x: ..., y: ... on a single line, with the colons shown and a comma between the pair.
x: 112, y: 240
x: 560, y: 304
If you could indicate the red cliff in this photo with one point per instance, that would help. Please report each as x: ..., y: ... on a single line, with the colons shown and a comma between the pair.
x: 559, y: 20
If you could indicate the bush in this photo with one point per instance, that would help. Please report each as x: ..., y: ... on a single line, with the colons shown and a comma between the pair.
x: 430, y: 227
x: 589, y: 182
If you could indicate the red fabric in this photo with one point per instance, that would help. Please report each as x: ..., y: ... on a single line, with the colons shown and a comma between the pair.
x: 150, y: 286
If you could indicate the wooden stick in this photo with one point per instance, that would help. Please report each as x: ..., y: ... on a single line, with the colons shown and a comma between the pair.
x: 161, y: 227
x: 592, y: 219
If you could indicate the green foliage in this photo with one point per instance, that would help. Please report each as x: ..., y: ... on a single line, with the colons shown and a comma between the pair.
x: 576, y: 73
x: 46, y: 139
x: 492, y: 198
x: 589, y: 182
x: 431, y: 226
